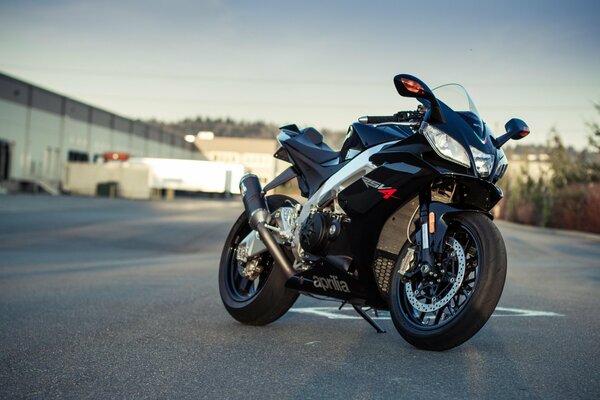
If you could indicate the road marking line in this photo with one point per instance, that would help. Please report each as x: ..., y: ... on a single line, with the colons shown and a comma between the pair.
x: 334, y: 313
x: 518, y: 312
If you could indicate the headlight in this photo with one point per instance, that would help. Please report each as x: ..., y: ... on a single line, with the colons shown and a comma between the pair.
x: 446, y: 147
x: 484, y: 162
x: 502, y: 165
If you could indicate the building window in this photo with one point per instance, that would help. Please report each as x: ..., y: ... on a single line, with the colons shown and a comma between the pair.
x: 77, y: 156
x: 4, y: 160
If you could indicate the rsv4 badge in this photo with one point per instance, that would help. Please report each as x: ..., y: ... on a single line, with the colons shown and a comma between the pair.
x: 386, y: 191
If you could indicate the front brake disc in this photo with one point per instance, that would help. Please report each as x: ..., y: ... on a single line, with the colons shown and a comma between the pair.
x: 436, y: 305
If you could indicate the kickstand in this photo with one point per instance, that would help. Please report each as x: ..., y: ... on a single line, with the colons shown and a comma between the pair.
x: 367, y: 318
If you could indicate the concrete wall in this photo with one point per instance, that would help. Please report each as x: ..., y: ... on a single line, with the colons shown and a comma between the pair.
x: 133, y: 180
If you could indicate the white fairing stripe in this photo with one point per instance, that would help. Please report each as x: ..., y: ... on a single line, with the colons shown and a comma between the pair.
x: 358, y: 167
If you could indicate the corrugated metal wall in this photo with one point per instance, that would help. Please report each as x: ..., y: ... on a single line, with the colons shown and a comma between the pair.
x: 43, y: 129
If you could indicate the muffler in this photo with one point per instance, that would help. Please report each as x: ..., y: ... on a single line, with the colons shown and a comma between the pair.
x: 258, y: 216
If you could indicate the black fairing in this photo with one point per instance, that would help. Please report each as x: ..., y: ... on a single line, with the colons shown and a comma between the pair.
x: 404, y: 167
x: 310, y: 142
x: 315, y: 161
x: 358, y: 293
x: 401, y: 166
x: 362, y: 136
x: 407, y: 173
x: 373, y: 135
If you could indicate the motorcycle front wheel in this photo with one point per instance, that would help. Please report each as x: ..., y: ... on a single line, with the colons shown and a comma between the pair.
x: 264, y: 299
x: 442, y: 312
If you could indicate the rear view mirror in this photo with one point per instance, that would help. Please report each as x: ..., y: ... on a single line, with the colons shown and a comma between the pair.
x: 516, y: 129
x: 411, y: 86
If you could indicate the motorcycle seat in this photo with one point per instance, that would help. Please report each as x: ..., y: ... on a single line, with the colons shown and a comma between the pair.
x: 314, y: 148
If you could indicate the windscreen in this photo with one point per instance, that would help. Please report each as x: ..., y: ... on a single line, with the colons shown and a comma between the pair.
x: 456, y: 97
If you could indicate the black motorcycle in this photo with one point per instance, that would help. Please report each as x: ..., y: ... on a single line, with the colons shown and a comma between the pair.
x: 398, y: 220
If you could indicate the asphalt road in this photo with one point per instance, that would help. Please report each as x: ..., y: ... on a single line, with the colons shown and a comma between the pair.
x: 118, y: 299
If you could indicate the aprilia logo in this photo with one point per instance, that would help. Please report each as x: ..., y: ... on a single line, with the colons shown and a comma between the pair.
x: 330, y: 283
x: 386, y: 191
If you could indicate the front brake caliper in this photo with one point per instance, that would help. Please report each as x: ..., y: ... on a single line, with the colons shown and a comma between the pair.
x: 407, y: 265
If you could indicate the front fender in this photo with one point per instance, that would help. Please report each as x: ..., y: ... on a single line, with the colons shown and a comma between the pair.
x: 472, y: 192
x: 442, y: 214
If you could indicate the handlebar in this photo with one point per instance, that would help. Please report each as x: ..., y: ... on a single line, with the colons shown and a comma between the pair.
x: 402, y: 116
x: 371, y: 119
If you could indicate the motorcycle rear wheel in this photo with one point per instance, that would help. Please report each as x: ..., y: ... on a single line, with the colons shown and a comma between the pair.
x: 479, y: 284
x: 265, y: 299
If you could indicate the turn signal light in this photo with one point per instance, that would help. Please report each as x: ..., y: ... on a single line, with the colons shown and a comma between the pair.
x: 524, y: 132
x: 431, y: 222
x: 412, y: 86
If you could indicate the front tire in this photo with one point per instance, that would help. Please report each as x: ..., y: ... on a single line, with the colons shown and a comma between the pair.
x: 264, y: 300
x: 442, y: 325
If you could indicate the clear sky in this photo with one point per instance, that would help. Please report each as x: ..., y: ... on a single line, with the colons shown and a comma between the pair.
x: 323, y: 63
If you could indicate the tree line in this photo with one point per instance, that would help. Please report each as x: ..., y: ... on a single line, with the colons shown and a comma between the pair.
x: 229, y: 127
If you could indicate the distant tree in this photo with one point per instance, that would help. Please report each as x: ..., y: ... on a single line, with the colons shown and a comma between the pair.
x: 232, y: 128
x: 594, y: 141
x: 570, y: 166
x: 560, y: 162
x: 594, y: 138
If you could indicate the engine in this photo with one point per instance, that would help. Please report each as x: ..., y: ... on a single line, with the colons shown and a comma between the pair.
x: 319, y: 230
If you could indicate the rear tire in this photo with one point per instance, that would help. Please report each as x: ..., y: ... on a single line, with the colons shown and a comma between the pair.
x: 271, y: 299
x: 427, y: 330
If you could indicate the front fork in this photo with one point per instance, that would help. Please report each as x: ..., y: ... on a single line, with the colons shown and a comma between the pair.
x: 427, y: 221
x: 433, y: 223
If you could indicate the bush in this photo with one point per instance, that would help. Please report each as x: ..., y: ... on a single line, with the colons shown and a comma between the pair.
x: 577, y: 207
x: 527, y: 201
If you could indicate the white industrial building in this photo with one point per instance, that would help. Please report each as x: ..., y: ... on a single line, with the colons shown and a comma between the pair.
x: 40, y: 131
x: 255, y: 154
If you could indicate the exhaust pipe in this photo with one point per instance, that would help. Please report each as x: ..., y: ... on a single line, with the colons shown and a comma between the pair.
x: 258, y: 215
